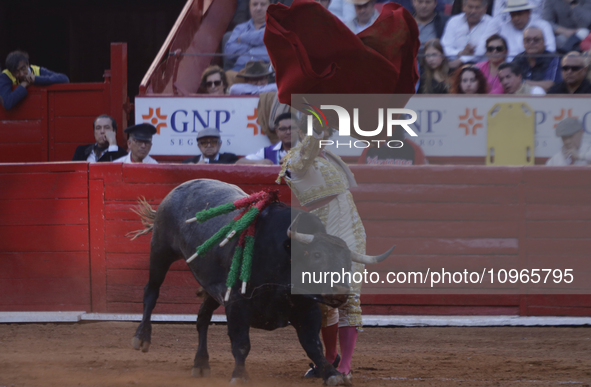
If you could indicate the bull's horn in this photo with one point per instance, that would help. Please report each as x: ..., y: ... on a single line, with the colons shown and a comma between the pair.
x: 368, y: 259
x: 302, y: 238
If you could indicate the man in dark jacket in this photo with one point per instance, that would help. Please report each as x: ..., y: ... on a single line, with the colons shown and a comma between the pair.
x: 21, y: 74
x: 209, y: 143
x: 431, y: 23
x: 105, y: 148
x: 574, y: 75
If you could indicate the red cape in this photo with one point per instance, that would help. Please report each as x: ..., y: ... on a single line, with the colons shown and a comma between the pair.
x: 313, y: 52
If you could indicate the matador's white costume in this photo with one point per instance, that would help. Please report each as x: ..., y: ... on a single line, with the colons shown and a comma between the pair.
x: 321, y: 181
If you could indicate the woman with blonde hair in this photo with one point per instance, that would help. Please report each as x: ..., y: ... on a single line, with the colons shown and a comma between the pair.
x: 435, y: 66
x: 213, y: 81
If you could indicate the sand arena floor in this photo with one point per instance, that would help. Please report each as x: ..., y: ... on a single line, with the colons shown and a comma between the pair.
x: 100, y: 354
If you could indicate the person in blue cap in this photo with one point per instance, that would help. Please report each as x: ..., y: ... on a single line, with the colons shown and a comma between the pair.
x: 139, y: 144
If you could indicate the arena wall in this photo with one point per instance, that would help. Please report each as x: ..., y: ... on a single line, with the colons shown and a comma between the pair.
x: 63, y: 226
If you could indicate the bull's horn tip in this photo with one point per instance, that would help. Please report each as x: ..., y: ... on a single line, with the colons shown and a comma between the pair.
x: 227, y: 296
x: 191, y: 220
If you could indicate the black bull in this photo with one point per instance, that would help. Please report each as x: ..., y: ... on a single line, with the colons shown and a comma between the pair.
x: 268, y: 302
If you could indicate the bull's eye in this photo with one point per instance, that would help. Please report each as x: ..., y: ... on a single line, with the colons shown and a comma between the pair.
x: 317, y: 255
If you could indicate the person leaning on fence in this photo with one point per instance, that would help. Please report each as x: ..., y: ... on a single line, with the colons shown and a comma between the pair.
x: 512, y: 81
x: 574, y: 151
x: 20, y: 73
x: 209, y: 142
x: 105, y: 148
x: 574, y: 74
x: 139, y: 144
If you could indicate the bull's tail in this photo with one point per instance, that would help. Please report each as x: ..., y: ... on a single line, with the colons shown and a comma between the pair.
x: 147, y: 215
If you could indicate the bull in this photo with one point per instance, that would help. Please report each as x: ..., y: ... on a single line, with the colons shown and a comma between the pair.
x: 268, y: 303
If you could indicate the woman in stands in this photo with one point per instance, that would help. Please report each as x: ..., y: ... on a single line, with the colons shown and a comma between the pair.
x: 213, y: 81
x: 496, y: 52
x: 435, y: 66
x: 469, y: 80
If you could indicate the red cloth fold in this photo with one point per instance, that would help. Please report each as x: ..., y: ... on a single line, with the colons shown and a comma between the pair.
x: 313, y: 52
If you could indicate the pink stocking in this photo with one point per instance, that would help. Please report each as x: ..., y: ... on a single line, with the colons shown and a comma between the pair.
x: 347, y: 339
x: 329, y: 336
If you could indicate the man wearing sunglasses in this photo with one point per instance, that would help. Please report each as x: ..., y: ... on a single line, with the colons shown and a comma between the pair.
x: 574, y: 75
x: 209, y: 143
x: 139, y: 144
x: 574, y: 151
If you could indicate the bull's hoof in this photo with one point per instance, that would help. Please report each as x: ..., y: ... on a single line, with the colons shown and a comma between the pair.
x: 335, y: 380
x: 200, y: 372
x: 241, y: 380
x: 137, y: 343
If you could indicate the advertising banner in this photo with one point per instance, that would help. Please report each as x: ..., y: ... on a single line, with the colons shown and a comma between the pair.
x: 446, y: 125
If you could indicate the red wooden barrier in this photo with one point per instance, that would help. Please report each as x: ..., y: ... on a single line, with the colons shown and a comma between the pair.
x: 63, y: 226
x: 52, y: 121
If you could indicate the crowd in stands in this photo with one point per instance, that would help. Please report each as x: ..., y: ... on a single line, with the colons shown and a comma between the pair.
x: 522, y: 47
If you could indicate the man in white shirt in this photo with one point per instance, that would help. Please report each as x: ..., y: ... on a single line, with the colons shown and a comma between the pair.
x: 465, y: 32
x: 366, y: 14
x: 139, y: 144
x: 512, y: 30
x: 574, y: 151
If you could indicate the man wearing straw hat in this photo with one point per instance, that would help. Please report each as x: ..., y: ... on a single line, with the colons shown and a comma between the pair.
x: 512, y: 29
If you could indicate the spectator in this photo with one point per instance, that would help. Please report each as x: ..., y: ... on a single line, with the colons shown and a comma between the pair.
x: 213, y: 81
x: 342, y: 9
x: 256, y: 74
x: 469, y: 80
x: 574, y: 72
x: 431, y: 23
x: 247, y: 38
x: 499, y: 6
x: 538, y: 66
x: 574, y: 151
x: 365, y: 15
x: 496, y: 52
x: 408, y: 153
x: 464, y: 32
x: 285, y: 127
x: 570, y: 21
x: 324, y: 3
x: 105, y: 148
x: 139, y: 144
x: 512, y: 81
x: 209, y: 142
x: 21, y: 74
x: 512, y: 29
x: 434, y: 79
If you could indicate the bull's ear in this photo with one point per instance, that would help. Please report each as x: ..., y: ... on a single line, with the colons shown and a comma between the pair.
x: 287, y: 245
